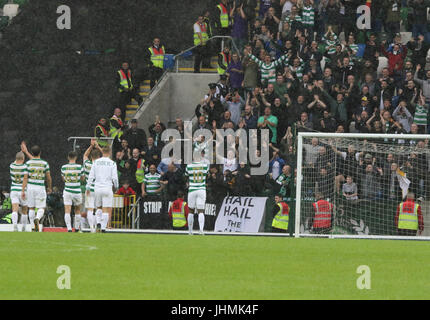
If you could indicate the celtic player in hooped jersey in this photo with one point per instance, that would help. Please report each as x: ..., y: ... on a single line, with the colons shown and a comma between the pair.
x: 17, y: 171
x: 196, y: 173
x: 37, y: 176
x: 72, y: 175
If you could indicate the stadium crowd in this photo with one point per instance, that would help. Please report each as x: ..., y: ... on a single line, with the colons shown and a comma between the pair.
x: 301, y: 66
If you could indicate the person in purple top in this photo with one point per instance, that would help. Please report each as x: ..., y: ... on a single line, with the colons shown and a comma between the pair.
x: 235, y: 73
x: 239, y: 31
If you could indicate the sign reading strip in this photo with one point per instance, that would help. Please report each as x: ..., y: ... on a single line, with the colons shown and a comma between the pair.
x: 240, y: 214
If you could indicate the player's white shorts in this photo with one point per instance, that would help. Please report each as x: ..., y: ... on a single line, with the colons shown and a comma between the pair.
x: 36, y: 198
x: 89, y: 201
x: 15, y: 197
x: 72, y: 199
x: 197, y: 199
x: 104, y: 197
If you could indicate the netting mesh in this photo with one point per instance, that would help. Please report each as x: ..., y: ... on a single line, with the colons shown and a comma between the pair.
x: 360, y: 184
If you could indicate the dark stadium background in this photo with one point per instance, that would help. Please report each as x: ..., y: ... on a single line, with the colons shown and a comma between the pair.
x: 48, y: 92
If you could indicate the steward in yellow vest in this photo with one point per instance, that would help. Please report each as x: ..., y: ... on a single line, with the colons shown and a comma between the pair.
x: 116, y: 125
x: 126, y: 88
x: 223, y: 22
x: 409, y: 218
x: 157, y: 53
x: 102, y: 131
x: 179, y: 212
x: 125, y: 80
x: 140, y: 170
x: 201, y: 38
x: 281, y: 213
x: 224, y: 59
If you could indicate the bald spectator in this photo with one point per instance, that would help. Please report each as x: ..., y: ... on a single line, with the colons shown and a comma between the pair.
x: 269, y: 121
x: 311, y: 152
x: 201, y: 124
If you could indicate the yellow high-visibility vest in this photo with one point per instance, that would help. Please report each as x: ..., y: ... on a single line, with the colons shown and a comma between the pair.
x: 140, y: 171
x: 157, y: 56
x: 223, y: 15
x: 124, y: 82
x: 225, y: 61
x: 204, y: 33
x: 408, y: 220
x: 114, y: 132
x: 178, y: 217
x: 105, y: 134
x: 280, y: 221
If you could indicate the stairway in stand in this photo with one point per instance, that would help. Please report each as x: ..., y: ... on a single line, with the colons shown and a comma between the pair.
x: 187, y: 66
x: 133, y: 106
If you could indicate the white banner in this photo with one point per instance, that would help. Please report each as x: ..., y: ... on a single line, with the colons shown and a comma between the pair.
x: 240, y: 214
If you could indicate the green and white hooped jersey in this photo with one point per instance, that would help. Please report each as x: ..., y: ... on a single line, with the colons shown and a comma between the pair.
x: 72, y: 173
x: 36, y: 170
x: 152, y: 182
x: 17, y: 173
x: 197, y: 173
x: 86, y: 170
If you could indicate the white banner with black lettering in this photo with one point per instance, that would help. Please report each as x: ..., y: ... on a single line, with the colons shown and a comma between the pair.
x: 240, y: 214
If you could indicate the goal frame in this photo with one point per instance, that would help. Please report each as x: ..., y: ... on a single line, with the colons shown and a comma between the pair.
x: 300, y: 137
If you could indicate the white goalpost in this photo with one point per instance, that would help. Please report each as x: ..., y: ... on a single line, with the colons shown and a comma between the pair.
x: 369, y: 186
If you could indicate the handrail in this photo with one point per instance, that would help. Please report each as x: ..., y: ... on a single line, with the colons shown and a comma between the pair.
x: 89, y: 138
x: 214, y: 37
x: 86, y: 138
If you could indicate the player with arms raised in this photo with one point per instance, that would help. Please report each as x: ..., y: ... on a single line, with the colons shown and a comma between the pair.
x: 197, y: 173
x: 37, y: 177
x: 17, y: 171
x: 104, y: 175
x: 72, y: 175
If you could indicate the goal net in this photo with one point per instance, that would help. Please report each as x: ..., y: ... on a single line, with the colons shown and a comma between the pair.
x: 357, y: 185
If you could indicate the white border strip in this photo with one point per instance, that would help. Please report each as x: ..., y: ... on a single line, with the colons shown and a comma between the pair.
x: 363, y: 237
x: 364, y: 135
x: 212, y: 233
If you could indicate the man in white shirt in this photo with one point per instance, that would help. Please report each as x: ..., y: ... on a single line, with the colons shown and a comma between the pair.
x: 104, y: 175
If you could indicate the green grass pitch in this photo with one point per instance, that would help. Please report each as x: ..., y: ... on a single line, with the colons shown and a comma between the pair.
x: 131, y: 266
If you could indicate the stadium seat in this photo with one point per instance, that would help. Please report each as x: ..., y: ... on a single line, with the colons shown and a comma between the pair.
x: 10, y: 10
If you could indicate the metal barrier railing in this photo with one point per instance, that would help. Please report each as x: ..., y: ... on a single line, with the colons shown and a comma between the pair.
x: 179, y: 55
x: 124, y: 212
x: 75, y: 139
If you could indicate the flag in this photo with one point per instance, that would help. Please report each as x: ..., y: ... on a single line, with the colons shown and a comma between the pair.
x: 403, y: 182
